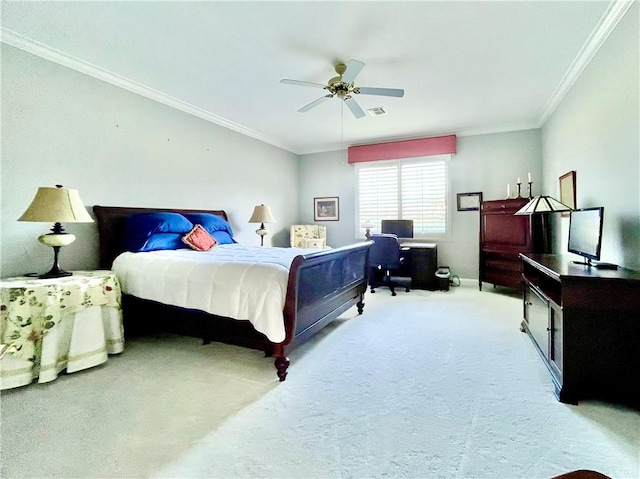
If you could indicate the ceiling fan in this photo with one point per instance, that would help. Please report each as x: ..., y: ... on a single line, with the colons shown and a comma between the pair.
x: 342, y: 86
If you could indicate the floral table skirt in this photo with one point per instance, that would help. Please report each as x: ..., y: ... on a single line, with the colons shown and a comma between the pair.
x: 79, y: 342
x: 74, y: 324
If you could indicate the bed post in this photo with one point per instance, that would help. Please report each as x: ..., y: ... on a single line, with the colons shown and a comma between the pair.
x: 281, y: 364
x: 282, y: 361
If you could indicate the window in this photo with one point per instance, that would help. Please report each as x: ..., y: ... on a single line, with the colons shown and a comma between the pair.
x: 412, y: 189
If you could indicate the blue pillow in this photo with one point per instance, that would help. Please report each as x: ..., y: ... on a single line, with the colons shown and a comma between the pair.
x: 154, y: 242
x: 222, y: 237
x: 142, y: 225
x: 210, y: 222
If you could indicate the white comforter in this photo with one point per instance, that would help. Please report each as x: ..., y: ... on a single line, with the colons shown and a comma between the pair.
x: 236, y: 281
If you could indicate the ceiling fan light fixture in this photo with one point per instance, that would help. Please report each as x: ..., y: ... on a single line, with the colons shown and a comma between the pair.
x: 343, y: 87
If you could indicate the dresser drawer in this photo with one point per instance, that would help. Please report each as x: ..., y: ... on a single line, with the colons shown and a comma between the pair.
x: 510, y: 279
x: 498, y: 264
x: 506, y: 206
x: 509, y: 255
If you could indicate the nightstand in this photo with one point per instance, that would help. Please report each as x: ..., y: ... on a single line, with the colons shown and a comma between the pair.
x: 48, y: 325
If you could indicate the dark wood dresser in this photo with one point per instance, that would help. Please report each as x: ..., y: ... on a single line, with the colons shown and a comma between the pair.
x: 585, y: 323
x: 503, y: 236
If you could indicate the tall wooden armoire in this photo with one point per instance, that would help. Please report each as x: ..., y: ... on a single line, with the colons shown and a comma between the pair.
x: 504, y: 235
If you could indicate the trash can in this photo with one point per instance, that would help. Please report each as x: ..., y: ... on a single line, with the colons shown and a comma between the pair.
x: 443, y: 276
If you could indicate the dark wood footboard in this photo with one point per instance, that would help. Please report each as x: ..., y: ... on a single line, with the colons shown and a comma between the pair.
x: 322, y: 285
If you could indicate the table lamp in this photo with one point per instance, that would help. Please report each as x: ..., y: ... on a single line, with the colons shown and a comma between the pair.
x: 262, y: 214
x: 367, y: 225
x: 57, y: 205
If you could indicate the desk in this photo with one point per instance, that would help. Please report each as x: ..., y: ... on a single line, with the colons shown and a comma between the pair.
x: 47, y: 325
x: 421, y: 261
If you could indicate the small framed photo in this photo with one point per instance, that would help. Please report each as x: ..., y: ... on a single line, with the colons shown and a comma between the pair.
x: 568, y: 190
x: 469, y: 201
x: 326, y: 209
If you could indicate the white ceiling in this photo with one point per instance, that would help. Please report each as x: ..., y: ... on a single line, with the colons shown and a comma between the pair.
x: 466, y: 67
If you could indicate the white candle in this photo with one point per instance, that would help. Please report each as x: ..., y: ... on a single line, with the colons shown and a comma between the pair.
x: 529, y: 177
x: 508, y: 190
x: 518, y: 180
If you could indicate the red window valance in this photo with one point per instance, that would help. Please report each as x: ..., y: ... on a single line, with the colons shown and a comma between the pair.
x: 439, y: 145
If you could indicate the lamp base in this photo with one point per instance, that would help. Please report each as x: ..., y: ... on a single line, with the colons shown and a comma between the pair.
x: 55, y: 271
x: 49, y: 274
x: 261, y: 232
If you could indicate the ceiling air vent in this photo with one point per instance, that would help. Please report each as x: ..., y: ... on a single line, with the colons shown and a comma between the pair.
x: 377, y: 111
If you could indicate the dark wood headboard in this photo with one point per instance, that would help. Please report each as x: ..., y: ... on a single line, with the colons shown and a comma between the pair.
x: 111, y: 223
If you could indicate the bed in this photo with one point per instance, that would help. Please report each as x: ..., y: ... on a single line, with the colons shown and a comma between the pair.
x: 320, y: 286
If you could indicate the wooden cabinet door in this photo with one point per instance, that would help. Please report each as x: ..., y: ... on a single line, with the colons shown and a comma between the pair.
x: 506, y: 229
x: 536, y: 315
x: 556, y: 345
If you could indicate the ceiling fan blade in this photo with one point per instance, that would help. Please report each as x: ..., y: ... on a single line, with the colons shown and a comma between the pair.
x: 302, y: 83
x: 353, y: 68
x: 397, y: 92
x: 315, y: 103
x: 354, y: 107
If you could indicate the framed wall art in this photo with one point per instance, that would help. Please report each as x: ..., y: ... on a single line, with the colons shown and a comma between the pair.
x: 568, y: 190
x: 326, y: 208
x: 469, y: 201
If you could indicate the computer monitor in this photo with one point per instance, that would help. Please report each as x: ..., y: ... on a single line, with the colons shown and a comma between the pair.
x: 400, y: 228
x: 585, y: 233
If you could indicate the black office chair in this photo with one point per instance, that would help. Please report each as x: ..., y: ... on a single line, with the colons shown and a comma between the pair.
x: 385, y: 263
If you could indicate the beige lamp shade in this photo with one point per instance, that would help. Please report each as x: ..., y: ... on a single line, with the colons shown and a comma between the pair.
x: 56, y: 205
x: 262, y: 214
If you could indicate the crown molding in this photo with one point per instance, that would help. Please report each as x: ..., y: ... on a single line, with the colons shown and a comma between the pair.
x: 39, y: 49
x: 504, y: 128
x: 601, y: 32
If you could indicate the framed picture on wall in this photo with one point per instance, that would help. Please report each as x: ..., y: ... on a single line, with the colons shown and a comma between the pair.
x: 326, y: 208
x: 568, y: 190
x: 469, y: 201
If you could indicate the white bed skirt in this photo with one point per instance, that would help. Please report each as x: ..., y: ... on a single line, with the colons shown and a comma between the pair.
x: 79, y: 341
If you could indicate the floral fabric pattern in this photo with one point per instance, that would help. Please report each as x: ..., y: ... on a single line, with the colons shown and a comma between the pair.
x: 30, y: 307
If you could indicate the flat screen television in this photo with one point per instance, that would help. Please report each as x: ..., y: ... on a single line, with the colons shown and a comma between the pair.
x: 585, y: 233
x: 400, y: 228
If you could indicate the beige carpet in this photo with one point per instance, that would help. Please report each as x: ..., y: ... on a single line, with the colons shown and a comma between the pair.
x: 424, y: 384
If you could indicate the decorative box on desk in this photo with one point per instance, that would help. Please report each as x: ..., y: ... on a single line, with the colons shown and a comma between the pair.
x: 503, y: 236
x: 585, y: 323
x: 47, y: 325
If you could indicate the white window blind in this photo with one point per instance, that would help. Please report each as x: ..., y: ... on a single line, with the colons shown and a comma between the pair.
x: 414, y: 189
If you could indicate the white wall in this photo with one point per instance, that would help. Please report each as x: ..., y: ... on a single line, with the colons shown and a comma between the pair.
x: 120, y: 149
x: 596, y: 132
x: 328, y: 174
x: 486, y: 163
x: 483, y: 163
